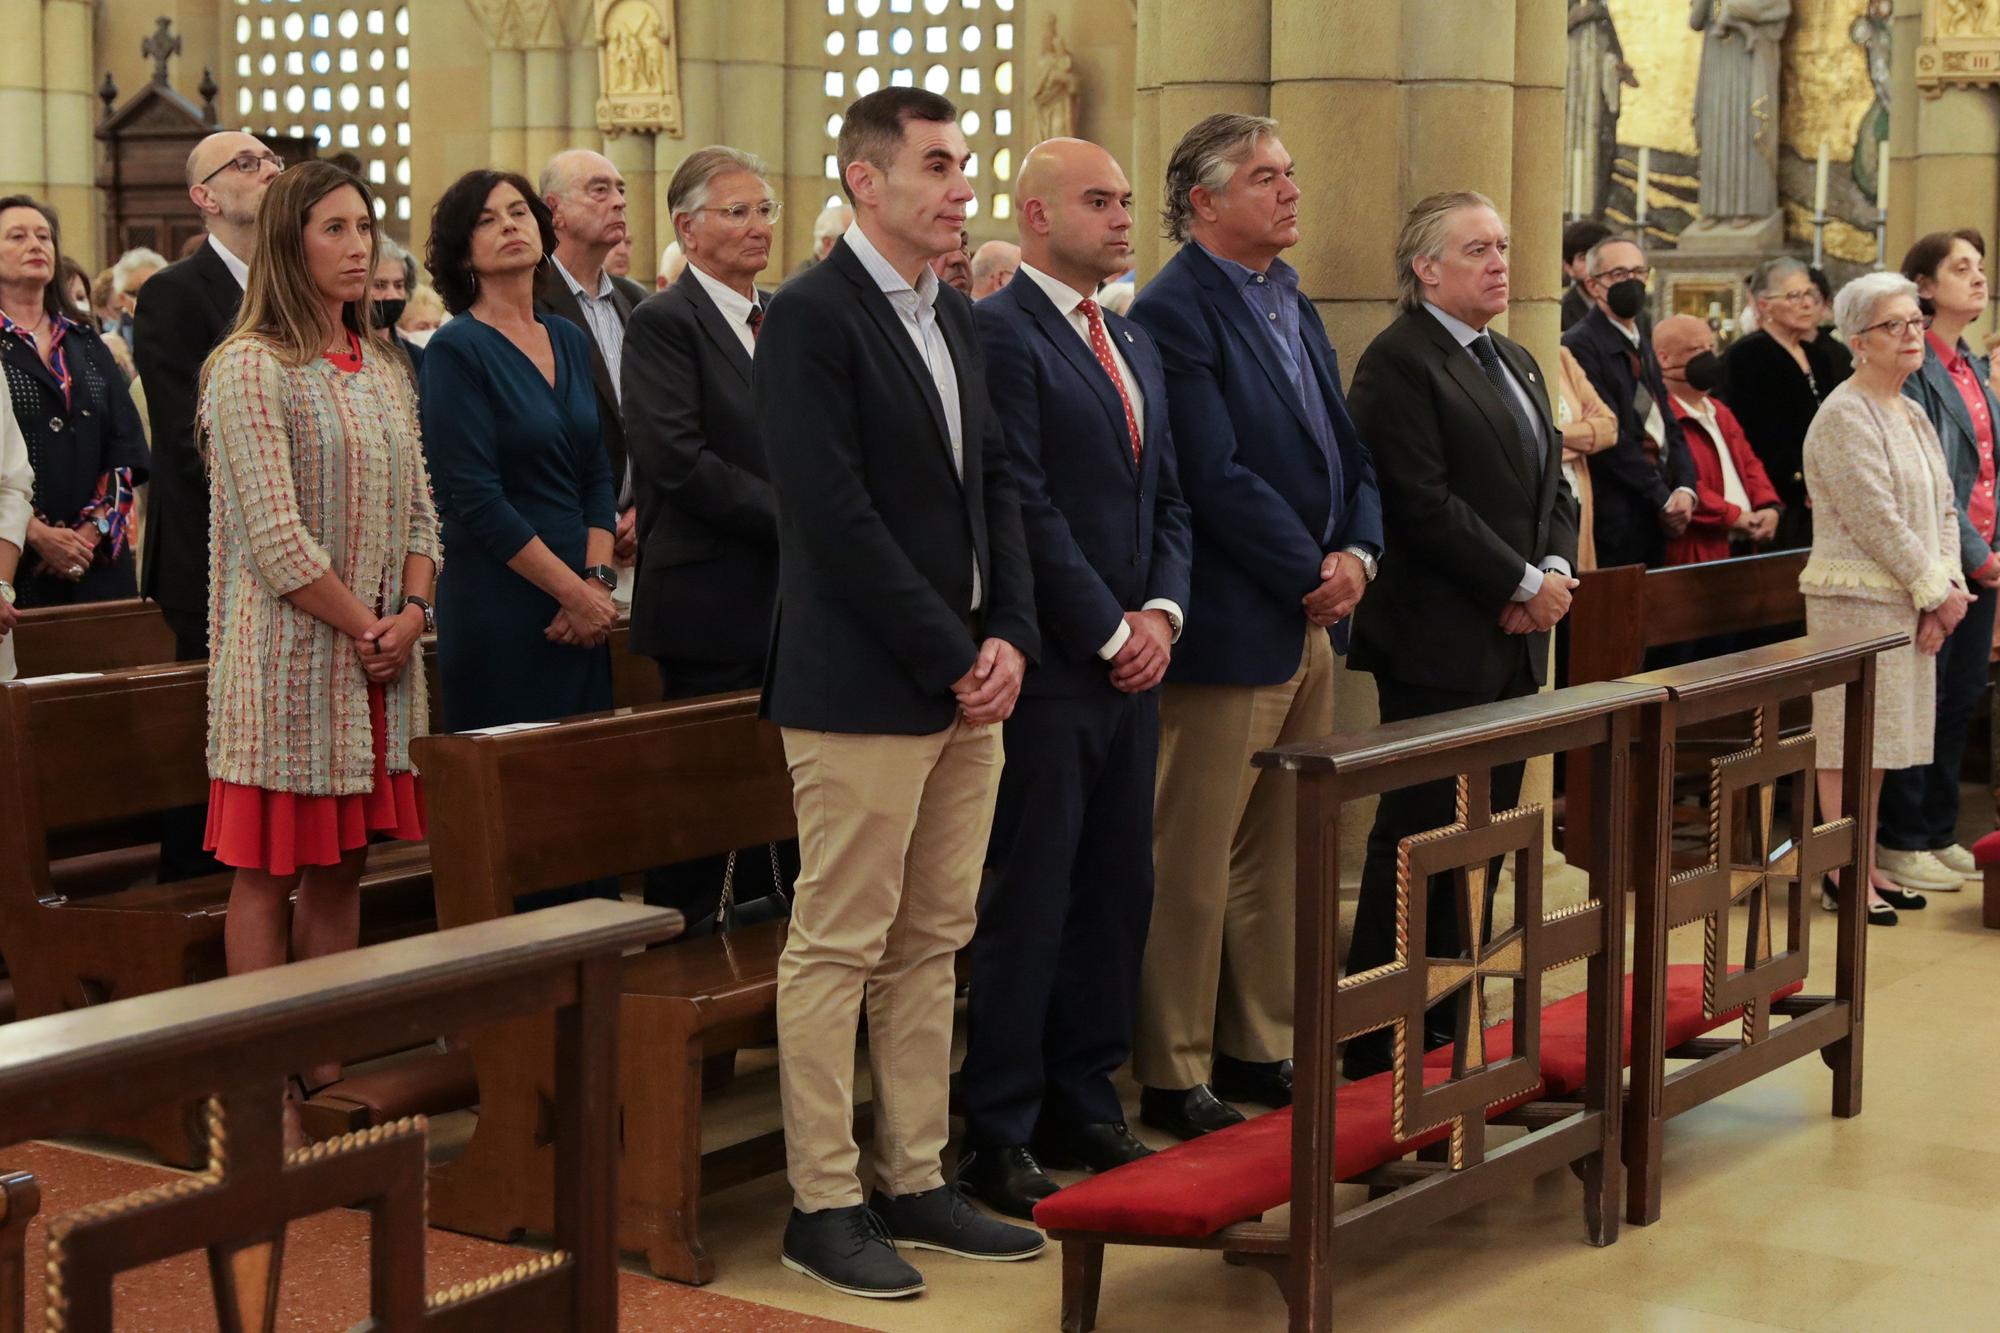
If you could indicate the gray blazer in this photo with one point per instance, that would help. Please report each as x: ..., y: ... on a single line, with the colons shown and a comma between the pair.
x: 1934, y: 391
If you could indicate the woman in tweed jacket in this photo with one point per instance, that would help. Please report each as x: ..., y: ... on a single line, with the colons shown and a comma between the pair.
x: 1885, y: 546
x: 324, y: 554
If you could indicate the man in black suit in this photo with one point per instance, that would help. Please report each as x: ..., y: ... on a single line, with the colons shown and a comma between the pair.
x: 1643, y: 485
x: 1062, y: 923
x: 1480, y: 531
x: 905, y: 621
x: 708, y: 519
x: 185, y: 310
x: 586, y: 198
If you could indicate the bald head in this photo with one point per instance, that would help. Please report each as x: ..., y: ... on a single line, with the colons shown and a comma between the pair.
x: 1073, y: 206
x: 215, y: 150
x: 586, y: 197
x: 1679, y: 340
x: 993, y: 266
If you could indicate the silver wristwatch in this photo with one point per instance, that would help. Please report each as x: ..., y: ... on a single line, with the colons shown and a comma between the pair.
x: 1367, y: 559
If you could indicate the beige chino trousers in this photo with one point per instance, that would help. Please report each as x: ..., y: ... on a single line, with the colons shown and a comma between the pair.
x: 1219, y: 963
x: 892, y: 837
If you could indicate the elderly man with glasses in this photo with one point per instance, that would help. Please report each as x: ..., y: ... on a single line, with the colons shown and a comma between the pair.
x: 1643, y: 485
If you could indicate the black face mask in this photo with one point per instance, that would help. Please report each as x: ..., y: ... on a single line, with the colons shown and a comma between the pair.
x: 1626, y: 298
x: 387, y: 313
x: 1705, y: 372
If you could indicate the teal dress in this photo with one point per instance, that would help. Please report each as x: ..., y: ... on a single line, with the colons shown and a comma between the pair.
x: 512, y: 459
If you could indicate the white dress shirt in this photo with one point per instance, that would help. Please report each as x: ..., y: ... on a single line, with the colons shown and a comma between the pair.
x: 1068, y: 302
x: 237, y: 268
x: 1463, y: 334
x: 735, y: 308
x: 916, y: 310
x: 1656, y: 424
x: 1733, y: 489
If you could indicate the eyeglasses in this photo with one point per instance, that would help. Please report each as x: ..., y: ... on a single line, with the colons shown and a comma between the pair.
x: 247, y: 163
x: 1896, y: 328
x: 738, y: 215
x: 1617, y: 275
x: 1800, y: 297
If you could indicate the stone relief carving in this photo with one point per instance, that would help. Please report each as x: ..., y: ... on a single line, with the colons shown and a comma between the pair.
x: 1960, y: 45
x: 638, y: 67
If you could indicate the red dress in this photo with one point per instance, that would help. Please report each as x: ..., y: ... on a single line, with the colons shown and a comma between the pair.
x: 281, y: 832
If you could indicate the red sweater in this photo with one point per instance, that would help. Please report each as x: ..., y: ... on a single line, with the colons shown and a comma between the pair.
x: 1707, y: 535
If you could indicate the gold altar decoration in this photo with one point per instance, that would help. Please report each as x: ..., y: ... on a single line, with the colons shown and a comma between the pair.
x: 1824, y: 88
x: 1960, y: 46
x: 638, y: 67
x: 1665, y: 54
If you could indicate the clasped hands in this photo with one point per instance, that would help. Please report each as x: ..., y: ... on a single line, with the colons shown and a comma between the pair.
x: 1540, y: 612
x: 1142, y: 662
x: 385, y: 647
x: 1935, y: 626
x: 1756, y: 525
x: 986, y: 694
x: 1343, y: 579
x: 1679, y: 510
x: 585, y: 618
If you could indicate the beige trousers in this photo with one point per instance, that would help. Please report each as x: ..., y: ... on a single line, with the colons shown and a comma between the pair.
x: 1218, y: 970
x: 892, y: 835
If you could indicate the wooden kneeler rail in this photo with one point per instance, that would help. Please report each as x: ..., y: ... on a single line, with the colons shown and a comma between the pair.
x: 1753, y: 863
x: 576, y: 801
x: 1449, y: 1098
x: 235, y: 1040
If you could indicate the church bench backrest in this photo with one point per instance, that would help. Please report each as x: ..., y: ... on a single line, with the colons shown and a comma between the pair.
x: 96, y: 636
x: 603, y: 795
x: 1618, y: 613
x: 235, y: 1040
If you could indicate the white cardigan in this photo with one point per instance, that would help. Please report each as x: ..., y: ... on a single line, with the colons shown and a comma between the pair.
x: 17, y: 501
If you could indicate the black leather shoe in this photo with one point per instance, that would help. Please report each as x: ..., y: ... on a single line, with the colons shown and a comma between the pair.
x: 1268, y: 1083
x: 940, y: 1219
x: 849, y: 1249
x: 1186, y: 1113
x: 1075, y: 1147
x: 1007, y: 1180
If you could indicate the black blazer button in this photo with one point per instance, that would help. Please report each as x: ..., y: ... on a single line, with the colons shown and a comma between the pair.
x: 55, y: 423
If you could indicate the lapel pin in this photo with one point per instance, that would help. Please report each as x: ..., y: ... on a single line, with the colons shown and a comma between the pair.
x: 1532, y: 379
x: 1128, y: 337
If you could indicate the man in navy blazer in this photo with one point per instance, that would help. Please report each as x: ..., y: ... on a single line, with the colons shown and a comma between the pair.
x: 1287, y: 531
x: 1062, y: 921
x: 905, y: 622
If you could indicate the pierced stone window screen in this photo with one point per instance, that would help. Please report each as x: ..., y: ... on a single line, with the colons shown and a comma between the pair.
x: 962, y: 49
x: 336, y: 70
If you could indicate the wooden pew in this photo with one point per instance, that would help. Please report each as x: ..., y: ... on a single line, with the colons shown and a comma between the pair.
x: 1619, y: 613
x: 1210, y: 1193
x: 68, y: 950
x: 234, y: 1041
x: 579, y: 800
x: 1755, y: 861
x: 97, y: 636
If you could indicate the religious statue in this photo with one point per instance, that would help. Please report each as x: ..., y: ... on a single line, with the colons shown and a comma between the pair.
x: 1870, y: 32
x: 637, y: 67
x: 1736, y: 107
x: 1598, y: 75
x: 1056, y: 90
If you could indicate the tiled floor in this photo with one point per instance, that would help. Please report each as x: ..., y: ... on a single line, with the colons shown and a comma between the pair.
x: 1776, y: 1215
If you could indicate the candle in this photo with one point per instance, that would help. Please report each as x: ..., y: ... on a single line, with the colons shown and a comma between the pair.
x: 1576, y: 183
x: 1639, y: 193
x: 1882, y: 180
x: 1819, y: 184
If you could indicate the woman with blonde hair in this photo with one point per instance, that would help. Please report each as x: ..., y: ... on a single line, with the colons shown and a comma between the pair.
x: 324, y: 556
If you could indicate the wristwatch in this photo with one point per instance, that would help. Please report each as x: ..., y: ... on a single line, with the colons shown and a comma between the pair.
x: 430, y: 616
x: 7, y: 591
x: 1367, y: 559
x: 604, y: 574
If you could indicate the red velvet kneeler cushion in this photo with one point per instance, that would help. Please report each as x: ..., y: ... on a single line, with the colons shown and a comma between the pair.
x: 1986, y: 851
x: 1195, y: 1189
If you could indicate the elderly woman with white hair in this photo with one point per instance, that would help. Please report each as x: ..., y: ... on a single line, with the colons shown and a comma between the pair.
x: 1885, y: 546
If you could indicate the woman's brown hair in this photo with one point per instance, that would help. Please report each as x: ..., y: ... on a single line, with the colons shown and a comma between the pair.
x: 281, y: 304
x: 55, y: 299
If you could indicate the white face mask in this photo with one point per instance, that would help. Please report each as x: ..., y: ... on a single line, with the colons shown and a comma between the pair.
x: 419, y: 337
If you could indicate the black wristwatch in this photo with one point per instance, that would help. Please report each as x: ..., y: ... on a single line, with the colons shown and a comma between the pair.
x: 430, y: 616
x: 604, y: 574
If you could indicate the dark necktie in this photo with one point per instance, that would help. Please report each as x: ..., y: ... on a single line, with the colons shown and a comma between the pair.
x: 755, y: 320
x: 1528, y: 438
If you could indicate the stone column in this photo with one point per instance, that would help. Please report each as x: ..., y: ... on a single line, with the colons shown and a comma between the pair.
x: 68, y: 116
x: 508, y: 94
x: 1944, y: 170
x: 1183, y: 78
x: 632, y: 154
x: 545, y: 84
x: 23, y: 150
